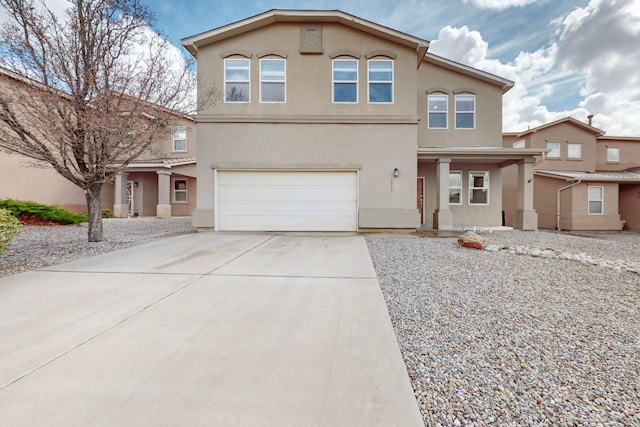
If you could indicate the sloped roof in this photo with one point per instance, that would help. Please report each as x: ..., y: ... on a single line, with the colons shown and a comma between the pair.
x: 597, y: 132
x: 505, y: 84
x: 608, y: 176
x: 162, y: 162
x: 193, y: 43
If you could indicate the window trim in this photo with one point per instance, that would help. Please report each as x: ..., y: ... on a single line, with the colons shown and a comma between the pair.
x: 283, y: 81
x: 380, y: 82
x: 549, y: 156
x: 485, y: 186
x: 459, y: 173
x: 574, y: 144
x: 445, y: 112
x: 601, y: 200
x: 613, y: 150
x: 248, y: 81
x: 334, y: 81
x: 456, y: 112
x: 173, y: 141
x: 185, y: 191
x: 521, y: 143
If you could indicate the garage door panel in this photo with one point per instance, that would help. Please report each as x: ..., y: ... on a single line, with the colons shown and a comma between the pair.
x: 282, y: 201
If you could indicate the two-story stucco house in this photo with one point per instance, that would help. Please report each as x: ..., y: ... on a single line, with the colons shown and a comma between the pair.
x: 332, y: 122
x: 160, y: 183
x: 585, y: 181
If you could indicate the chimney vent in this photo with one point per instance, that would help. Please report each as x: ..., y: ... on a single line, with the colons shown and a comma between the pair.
x: 590, y: 118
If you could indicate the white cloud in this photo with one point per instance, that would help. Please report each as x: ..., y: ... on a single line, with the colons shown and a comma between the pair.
x: 499, y: 4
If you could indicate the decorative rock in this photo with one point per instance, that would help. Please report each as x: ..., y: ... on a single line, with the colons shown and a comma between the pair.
x: 472, y: 240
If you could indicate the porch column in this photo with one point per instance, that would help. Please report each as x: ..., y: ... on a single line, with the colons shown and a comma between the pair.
x: 442, y: 217
x: 163, y: 209
x: 120, y: 204
x: 525, y: 217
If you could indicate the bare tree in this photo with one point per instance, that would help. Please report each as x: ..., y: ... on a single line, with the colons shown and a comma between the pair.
x: 93, y: 89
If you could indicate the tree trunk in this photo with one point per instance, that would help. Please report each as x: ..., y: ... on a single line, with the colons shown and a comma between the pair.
x: 94, y: 196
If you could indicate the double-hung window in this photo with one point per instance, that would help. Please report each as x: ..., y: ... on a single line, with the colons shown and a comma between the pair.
x: 345, y: 81
x: 180, y: 190
x: 236, y: 80
x: 437, y: 111
x: 596, y: 199
x: 380, y: 81
x: 478, y: 188
x: 455, y: 188
x: 273, y: 80
x: 465, y: 111
x: 179, y: 140
x: 613, y: 154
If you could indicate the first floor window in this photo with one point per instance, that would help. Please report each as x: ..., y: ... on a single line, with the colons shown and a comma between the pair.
x: 596, y: 199
x: 574, y: 151
x: 465, y: 111
x: 479, y: 188
x: 272, y: 80
x: 380, y: 81
x: 613, y: 154
x: 236, y: 80
x: 180, y: 190
x: 437, y: 111
x: 554, y: 150
x: 180, y: 140
x: 455, y: 188
x: 345, y: 81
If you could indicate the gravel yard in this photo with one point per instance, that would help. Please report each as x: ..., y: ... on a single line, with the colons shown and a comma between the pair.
x: 497, y: 338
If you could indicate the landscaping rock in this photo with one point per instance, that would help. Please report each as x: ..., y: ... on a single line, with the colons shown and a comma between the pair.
x: 472, y: 240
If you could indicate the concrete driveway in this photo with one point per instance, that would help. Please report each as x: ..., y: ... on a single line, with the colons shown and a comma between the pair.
x: 215, y: 329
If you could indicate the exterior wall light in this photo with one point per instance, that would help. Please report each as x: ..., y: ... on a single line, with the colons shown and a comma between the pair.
x: 396, y: 172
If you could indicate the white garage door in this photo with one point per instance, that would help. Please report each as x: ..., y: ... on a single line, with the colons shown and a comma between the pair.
x: 287, y: 201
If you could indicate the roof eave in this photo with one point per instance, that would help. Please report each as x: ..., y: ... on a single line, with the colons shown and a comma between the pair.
x: 504, y: 84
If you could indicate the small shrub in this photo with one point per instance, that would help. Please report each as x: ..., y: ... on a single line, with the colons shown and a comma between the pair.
x: 9, y: 227
x: 42, y: 212
x: 106, y: 213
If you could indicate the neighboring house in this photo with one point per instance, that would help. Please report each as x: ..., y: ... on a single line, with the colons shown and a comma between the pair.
x: 586, y: 180
x: 332, y: 122
x: 160, y: 183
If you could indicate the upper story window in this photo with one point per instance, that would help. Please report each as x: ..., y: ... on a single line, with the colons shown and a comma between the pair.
x: 179, y: 140
x: 596, y: 199
x: 345, y: 81
x: 519, y: 144
x: 236, y: 80
x: 613, y: 154
x: 381, y: 81
x: 437, y: 105
x: 554, y: 150
x: 465, y: 111
x: 478, y: 188
x: 574, y: 151
x: 455, y: 187
x: 273, y: 80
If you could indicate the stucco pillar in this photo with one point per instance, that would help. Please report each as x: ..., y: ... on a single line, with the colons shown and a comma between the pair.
x: 163, y: 209
x: 525, y: 217
x: 442, y: 217
x: 120, y: 206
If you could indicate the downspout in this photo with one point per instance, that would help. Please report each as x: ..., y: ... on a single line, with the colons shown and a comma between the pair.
x: 558, y: 201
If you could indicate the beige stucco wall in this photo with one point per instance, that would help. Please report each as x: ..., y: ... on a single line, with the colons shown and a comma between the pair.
x: 629, y: 197
x: 465, y: 214
x: 21, y: 181
x: 565, y: 133
x: 629, y: 154
x: 309, y: 76
x: 374, y: 150
x: 488, y: 130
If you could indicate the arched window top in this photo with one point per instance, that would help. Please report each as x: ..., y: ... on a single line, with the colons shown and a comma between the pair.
x: 272, y: 52
x: 236, y: 52
x: 345, y: 52
x: 437, y: 91
x: 388, y: 53
x: 464, y: 91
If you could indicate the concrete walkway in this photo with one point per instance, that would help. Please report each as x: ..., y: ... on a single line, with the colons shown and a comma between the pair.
x: 211, y: 329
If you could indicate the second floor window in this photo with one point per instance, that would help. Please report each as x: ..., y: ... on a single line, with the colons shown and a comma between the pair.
x: 613, y: 154
x: 554, y: 150
x: 380, y: 81
x: 272, y: 80
x: 345, y: 81
x: 465, y: 111
x: 437, y: 111
x: 236, y: 80
x: 574, y: 151
x: 179, y: 140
